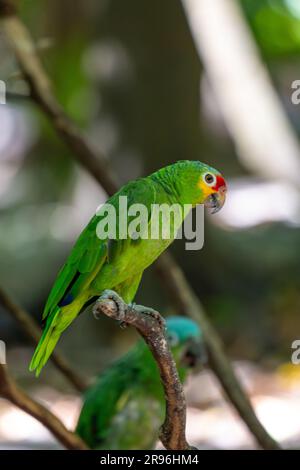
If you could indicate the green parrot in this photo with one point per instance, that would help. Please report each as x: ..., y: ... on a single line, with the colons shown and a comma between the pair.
x: 117, y: 263
x: 125, y: 408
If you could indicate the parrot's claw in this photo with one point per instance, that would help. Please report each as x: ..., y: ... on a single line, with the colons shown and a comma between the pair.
x: 111, y: 295
x: 110, y: 301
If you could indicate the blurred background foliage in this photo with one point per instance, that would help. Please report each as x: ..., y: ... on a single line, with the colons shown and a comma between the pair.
x: 129, y: 75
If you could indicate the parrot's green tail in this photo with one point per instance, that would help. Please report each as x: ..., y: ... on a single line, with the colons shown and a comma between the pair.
x: 57, y: 322
x: 46, y: 344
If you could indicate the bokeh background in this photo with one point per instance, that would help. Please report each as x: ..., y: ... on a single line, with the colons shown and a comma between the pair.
x: 150, y: 83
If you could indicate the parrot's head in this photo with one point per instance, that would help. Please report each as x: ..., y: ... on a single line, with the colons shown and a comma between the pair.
x: 200, y: 184
x: 213, y: 189
x: 186, y: 342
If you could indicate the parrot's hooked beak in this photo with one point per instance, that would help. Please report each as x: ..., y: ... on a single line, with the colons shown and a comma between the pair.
x: 216, y: 201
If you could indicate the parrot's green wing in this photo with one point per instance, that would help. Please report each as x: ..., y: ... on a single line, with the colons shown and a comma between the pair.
x: 89, y: 252
x: 86, y: 257
x: 136, y: 426
x: 75, y: 285
x: 106, y: 399
x: 125, y: 407
x: 141, y: 191
x: 70, y: 292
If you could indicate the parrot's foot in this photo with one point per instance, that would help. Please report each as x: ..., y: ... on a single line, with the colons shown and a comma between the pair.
x: 112, y: 305
x: 152, y: 313
x: 123, y: 324
x: 109, y: 308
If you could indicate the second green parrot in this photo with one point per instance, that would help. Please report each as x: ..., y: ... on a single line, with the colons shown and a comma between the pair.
x: 125, y: 408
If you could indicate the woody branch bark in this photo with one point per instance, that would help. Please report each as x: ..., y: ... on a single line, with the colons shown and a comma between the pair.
x: 10, y: 391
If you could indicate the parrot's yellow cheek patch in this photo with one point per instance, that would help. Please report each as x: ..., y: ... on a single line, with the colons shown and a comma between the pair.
x: 206, y: 190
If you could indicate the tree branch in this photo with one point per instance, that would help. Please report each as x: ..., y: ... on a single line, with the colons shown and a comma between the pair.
x: 33, y: 332
x: 180, y: 292
x: 10, y: 391
x: 151, y: 327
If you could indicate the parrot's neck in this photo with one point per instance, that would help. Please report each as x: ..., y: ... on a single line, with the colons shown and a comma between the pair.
x: 167, y: 182
x: 179, y: 181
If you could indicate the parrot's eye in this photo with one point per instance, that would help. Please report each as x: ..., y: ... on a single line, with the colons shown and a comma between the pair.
x: 210, y: 179
x: 173, y: 339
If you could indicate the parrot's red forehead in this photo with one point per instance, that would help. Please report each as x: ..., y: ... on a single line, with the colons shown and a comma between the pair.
x: 219, y: 183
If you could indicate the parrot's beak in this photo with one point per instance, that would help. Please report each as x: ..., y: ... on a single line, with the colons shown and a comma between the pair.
x: 216, y: 201
x: 195, y: 354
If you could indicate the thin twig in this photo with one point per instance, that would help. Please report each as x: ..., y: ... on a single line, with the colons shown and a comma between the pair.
x: 10, y: 391
x: 151, y: 327
x: 33, y: 332
x: 181, y: 293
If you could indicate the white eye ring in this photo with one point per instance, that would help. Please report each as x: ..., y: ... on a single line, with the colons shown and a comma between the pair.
x: 209, y: 179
